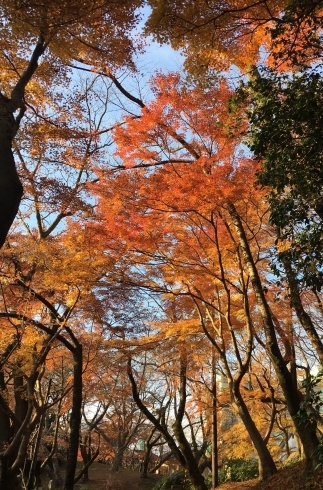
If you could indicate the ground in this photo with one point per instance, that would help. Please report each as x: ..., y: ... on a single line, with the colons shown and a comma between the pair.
x: 102, y: 479
x: 290, y: 478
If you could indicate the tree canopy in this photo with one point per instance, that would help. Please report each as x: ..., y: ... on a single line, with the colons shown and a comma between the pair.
x: 160, y: 233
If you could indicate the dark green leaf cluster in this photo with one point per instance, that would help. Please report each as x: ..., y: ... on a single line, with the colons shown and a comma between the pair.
x: 305, y: 256
x: 285, y: 134
x: 312, y: 402
x: 178, y: 478
x: 238, y: 470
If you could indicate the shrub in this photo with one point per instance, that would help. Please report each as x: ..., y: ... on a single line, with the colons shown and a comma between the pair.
x: 178, y: 478
x: 238, y: 470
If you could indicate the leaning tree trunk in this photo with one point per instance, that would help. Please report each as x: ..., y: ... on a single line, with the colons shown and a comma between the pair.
x: 149, y: 444
x: 181, y: 450
x: 192, y: 466
x: 306, y: 432
x: 267, y: 466
x: 10, y: 185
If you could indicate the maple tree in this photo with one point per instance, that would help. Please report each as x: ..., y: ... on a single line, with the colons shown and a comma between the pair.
x: 41, y: 309
x: 173, y: 396
x: 196, y: 161
x: 144, y: 236
x: 59, y: 34
x: 187, y: 229
x: 53, y: 196
x: 214, y: 36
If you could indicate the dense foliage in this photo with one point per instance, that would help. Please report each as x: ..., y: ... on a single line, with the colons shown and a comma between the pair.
x: 161, y: 274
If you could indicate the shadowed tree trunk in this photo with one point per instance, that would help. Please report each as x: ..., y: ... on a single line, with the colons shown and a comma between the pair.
x: 75, y: 418
x: 149, y: 444
x: 10, y: 185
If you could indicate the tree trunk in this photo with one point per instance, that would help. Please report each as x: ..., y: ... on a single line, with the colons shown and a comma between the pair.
x: 75, y: 420
x: 10, y: 185
x: 267, y: 466
x: 85, y: 448
x: 118, y: 459
x: 192, y: 467
x: 5, y: 429
x: 148, y: 447
x: 182, y: 450
x: 145, y: 463
x: 306, y: 432
x: 302, y: 315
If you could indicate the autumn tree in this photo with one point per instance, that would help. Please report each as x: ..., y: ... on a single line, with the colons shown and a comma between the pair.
x: 59, y: 34
x: 172, y: 212
x: 212, y: 179
x: 171, y: 404
x: 214, y: 37
x: 117, y: 418
x: 185, y: 258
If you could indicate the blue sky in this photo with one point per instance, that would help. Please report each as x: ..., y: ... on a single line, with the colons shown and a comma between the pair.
x: 157, y: 57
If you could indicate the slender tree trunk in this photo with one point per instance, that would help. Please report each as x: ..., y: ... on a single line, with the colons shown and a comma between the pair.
x: 267, y: 466
x: 149, y: 444
x: 75, y: 420
x: 88, y: 459
x: 192, y: 467
x: 160, y: 463
x: 306, y: 433
x: 85, y: 448
x: 182, y: 450
x: 5, y: 429
x: 145, y: 463
x: 302, y: 315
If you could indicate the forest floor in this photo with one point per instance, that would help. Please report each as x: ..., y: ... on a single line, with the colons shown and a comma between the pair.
x: 289, y: 478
